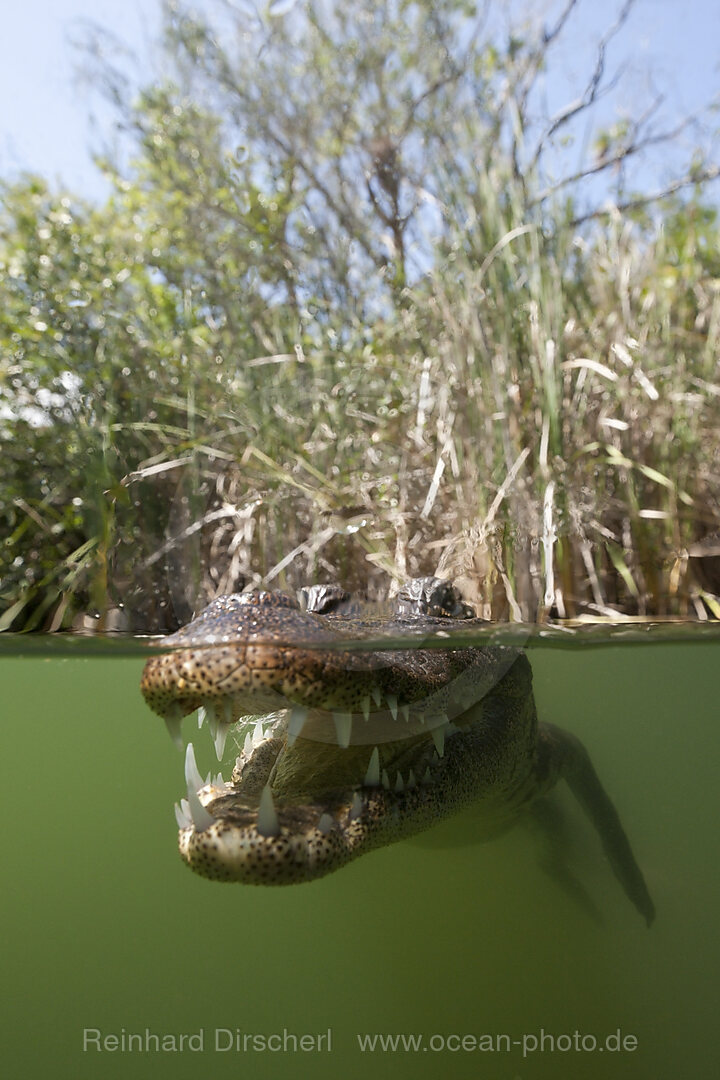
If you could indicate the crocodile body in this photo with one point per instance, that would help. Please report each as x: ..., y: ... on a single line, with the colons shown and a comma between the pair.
x: 360, y: 746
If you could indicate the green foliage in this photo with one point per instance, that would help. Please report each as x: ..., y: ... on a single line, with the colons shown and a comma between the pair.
x: 335, y: 319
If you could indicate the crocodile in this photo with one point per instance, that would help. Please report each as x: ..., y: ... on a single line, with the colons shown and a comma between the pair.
x: 350, y: 744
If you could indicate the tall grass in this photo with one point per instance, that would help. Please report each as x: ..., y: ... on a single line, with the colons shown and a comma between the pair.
x: 541, y: 423
x: 585, y: 384
x: 540, y: 419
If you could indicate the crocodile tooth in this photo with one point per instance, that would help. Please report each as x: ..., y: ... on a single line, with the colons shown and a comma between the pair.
x: 182, y: 816
x: 193, y: 778
x: 356, y: 808
x: 376, y: 695
x: 343, y: 728
x: 298, y: 715
x: 227, y: 711
x: 411, y: 781
x: 258, y: 735
x: 399, y: 784
x: 385, y: 780
x: 325, y: 823
x: 427, y: 776
x: 247, y: 745
x: 212, y: 721
x: 365, y: 706
x: 219, y: 781
x: 200, y: 817
x: 404, y: 711
x: 202, y: 714
x: 392, y: 704
x: 438, y: 737
x: 372, y: 776
x: 220, y: 737
x: 172, y: 723
x: 212, y: 716
x: 267, y: 819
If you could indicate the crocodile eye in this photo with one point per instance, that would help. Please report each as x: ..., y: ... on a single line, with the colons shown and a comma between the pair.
x: 443, y: 596
x: 323, y: 599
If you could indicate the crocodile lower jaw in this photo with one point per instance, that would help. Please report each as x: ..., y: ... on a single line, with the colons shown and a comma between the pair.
x: 299, y: 806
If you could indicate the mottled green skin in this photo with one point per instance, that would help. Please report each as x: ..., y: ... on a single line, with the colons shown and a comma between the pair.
x: 258, y: 652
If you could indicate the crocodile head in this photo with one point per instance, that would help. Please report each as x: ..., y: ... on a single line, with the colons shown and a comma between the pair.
x: 345, y: 748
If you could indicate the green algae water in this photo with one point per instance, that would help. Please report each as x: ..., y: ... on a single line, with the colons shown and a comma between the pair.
x: 436, y: 956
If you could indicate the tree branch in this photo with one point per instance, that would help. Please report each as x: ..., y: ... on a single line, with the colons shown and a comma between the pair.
x: 702, y: 176
x: 629, y: 150
x: 537, y: 57
x: 592, y: 91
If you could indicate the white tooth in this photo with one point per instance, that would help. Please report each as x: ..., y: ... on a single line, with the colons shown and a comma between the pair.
x: 412, y: 782
x: 392, y: 704
x: 427, y: 776
x: 200, y: 817
x: 356, y: 808
x: 192, y: 774
x: 258, y: 736
x: 220, y: 737
x: 183, y: 819
x: 298, y: 716
x: 438, y: 737
x: 267, y: 819
x: 219, y: 781
x: 385, y: 780
x: 343, y: 728
x: 325, y: 823
x: 172, y: 723
x: 399, y: 785
x: 421, y: 717
x: 372, y: 776
x: 404, y: 711
x: 248, y: 744
x: 202, y: 714
x: 376, y: 695
x: 365, y: 706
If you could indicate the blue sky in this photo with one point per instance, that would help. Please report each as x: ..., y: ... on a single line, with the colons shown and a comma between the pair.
x: 44, y: 111
x: 44, y: 108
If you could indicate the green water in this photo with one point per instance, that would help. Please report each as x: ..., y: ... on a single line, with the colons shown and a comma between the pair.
x: 105, y: 928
